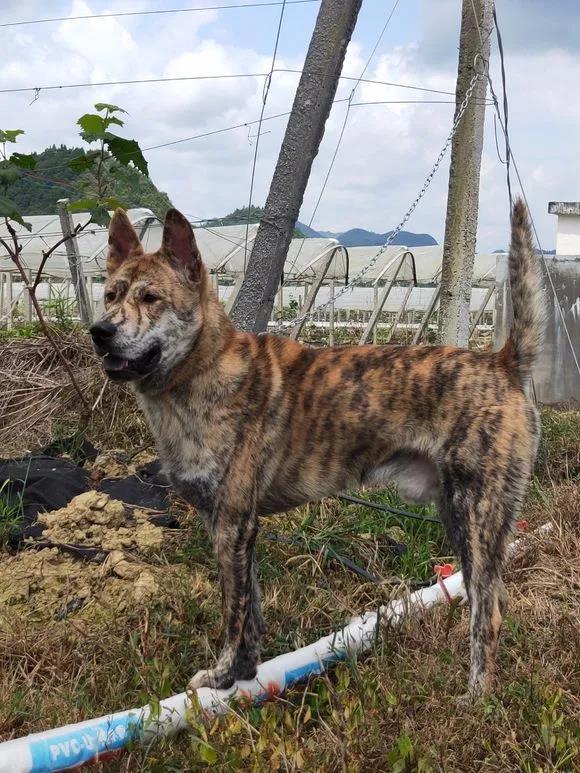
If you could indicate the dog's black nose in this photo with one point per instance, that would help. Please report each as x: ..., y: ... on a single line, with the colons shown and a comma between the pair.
x: 101, y: 332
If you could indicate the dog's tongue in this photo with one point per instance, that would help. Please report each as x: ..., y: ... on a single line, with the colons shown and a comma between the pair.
x: 115, y: 363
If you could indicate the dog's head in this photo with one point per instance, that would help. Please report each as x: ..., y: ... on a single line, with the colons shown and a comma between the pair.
x: 154, y: 302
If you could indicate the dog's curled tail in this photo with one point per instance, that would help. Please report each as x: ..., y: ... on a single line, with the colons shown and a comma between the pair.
x: 525, y: 336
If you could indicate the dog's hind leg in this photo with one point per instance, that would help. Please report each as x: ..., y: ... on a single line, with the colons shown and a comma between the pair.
x: 479, y: 505
x: 234, y: 531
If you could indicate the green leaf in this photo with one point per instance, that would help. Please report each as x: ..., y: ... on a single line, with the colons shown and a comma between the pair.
x: 208, y: 753
x: 405, y: 745
x: 23, y: 160
x: 83, y: 205
x: 100, y: 106
x: 126, y: 152
x: 9, y: 174
x: 9, y: 135
x: 113, y: 119
x: 112, y: 202
x: 98, y: 209
x: 100, y: 215
x: 92, y: 126
x: 85, y: 162
x: 8, y: 209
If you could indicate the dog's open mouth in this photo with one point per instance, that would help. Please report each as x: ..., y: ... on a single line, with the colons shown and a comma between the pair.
x: 122, y: 369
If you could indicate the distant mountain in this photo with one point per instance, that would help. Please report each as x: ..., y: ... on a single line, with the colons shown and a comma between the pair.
x: 359, y: 237
x: 356, y: 237
x: 305, y: 230
x: 546, y: 252
x: 240, y: 217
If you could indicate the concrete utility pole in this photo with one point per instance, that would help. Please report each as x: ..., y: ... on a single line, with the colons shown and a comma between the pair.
x: 312, y: 103
x: 74, y: 262
x: 463, y: 195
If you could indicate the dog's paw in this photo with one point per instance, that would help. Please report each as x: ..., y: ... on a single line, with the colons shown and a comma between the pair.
x: 211, y: 678
x: 469, y: 698
x: 465, y: 700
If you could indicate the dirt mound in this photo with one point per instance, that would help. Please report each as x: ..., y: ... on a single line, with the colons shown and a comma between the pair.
x: 94, y: 519
x: 49, y: 584
x: 118, y: 463
x: 125, y: 571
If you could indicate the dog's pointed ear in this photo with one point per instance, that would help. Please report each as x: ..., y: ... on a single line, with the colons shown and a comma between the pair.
x: 180, y: 245
x: 123, y: 240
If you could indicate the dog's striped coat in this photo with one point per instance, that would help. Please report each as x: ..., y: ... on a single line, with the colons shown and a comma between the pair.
x: 249, y: 425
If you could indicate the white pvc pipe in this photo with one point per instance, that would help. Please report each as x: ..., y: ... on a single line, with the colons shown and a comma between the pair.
x: 83, y: 742
x: 73, y: 745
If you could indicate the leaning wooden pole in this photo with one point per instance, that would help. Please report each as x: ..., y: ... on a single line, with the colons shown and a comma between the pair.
x: 463, y: 195
x: 74, y: 262
x: 314, y: 96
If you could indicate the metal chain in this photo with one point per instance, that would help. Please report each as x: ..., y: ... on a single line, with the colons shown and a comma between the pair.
x: 458, y: 116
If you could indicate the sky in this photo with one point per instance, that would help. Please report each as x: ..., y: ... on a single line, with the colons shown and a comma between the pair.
x: 387, y: 150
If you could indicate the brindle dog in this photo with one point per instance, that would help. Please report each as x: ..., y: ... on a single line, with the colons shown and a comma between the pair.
x: 249, y: 425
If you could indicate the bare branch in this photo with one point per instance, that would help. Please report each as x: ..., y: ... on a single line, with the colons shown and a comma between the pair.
x: 46, y: 254
x: 7, y: 247
x: 14, y: 235
x: 31, y: 288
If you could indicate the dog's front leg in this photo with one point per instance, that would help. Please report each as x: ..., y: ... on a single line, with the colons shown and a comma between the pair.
x: 234, y: 533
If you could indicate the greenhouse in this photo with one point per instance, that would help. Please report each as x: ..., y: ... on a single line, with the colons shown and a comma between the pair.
x: 399, y: 285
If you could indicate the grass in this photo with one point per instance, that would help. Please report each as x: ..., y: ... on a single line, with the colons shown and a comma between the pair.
x: 395, y: 709
x: 559, y: 452
x: 37, y: 402
x: 10, y: 514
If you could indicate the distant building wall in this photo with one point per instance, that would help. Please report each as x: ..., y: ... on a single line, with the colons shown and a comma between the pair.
x: 568, y: 228
x: 556, y: 378
x: 568, y: 235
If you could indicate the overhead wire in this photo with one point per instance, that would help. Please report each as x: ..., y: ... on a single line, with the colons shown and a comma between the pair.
x: 132, y: 82
x: 246, y: 124
x: 181, y: 78
x: 343, y: 127
x: 505, y: 103
x: 395, y: 84
x: 414, y: 102
x: 266, y: 91
x: 510, y: 155
x: 155, y: 12
x: 349, y: 104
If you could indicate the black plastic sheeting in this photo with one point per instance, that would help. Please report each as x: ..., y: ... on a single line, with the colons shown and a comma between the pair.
x: 45, y: 481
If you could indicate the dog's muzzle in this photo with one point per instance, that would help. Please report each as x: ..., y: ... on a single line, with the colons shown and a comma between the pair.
x: 117, y: 366
x: 102, y: 334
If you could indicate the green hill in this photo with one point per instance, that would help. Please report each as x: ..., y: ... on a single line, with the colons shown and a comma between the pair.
x: 37, y: 192
x: 240, y: 217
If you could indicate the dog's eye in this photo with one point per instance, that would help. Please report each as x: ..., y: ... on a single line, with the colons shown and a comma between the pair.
x: 150, y: 298
x: 110, y: 296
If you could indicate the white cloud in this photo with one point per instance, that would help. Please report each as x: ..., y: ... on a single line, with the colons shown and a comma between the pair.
x: 386, y: 152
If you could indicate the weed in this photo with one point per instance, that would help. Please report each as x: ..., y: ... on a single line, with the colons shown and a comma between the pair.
x: 60, y: 309
x: 69, y: 439
x: 559, y: 452
x: 26, y: 330
x: 403, y: 757
x: 10, y: 513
